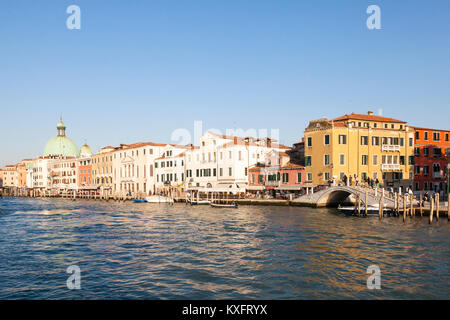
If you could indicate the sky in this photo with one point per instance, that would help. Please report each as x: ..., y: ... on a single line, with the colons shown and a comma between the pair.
x: 139, y: 70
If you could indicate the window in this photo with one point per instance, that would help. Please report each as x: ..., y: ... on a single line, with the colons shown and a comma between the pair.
x: 402, y: 142
x: 342, y: 139
x: 417, y: 135
x: 364, y: 140
x: 436, y: 136
x: 230, y: 171
x: 426, y: 152
x: 309, y: 176
x: 308, y: 160
x: 426, y: 170
x: 425, y: 135
x: 411, y: 160
x: 326, y: 176
x: 375, y: 141
x: 327, y: 159
x: 446, y: 137
x: 299, y: 177
x: 364, y: 159
x: 327, y: 139
x: 417, y: 151
x: 417, y: 170
x: 309, y: 142
x: 437, y: 152
x: 411, y: 142
x: 375, y: 160
x: 342, y: 159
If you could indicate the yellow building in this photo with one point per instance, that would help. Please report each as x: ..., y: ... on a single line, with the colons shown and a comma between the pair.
x: 102, y: 169
x: 360, y: 146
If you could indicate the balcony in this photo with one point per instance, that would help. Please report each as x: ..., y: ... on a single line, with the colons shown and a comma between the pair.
x: 390, y: 147
x: 390, y: 167
x: 437, y: 175
x: 272, y: 183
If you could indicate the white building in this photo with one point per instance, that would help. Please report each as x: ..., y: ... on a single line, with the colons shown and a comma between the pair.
x: 222, y: 161
x: 133, y: 168
x: 170, y: 168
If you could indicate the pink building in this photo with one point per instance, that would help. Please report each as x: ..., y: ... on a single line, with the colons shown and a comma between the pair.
x: 278, y: 174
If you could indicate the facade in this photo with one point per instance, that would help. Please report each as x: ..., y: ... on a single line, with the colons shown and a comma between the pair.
x: 360, y: 146
x: 102, y: 169
x: 223, y: 161
x: 133, y: 169
x: 10, y: 176
x: 170, y: 169
x: 432, y: 154
x: 63, y: 174
x: 277, y: 173
x: 85, y: 168
x: 41, y: 173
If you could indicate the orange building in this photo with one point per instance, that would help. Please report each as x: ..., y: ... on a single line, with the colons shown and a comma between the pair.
x: 431, y: 151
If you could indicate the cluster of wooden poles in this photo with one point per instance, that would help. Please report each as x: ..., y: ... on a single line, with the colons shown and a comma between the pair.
x: 408, y: 209
x: 213, y: 197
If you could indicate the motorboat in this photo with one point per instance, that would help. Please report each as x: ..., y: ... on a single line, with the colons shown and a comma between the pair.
x: 139, y: 200
x: 218, y: 205
x: 200, y: 202
x: 371, y: 209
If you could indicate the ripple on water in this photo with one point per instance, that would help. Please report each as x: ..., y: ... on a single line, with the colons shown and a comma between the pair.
x: 142, y: 251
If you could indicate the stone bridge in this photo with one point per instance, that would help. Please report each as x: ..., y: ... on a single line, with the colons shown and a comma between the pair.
x: 335, y: 195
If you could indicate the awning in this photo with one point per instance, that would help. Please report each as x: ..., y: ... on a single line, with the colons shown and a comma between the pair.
x: 290, y: 188
x: 255, y: 188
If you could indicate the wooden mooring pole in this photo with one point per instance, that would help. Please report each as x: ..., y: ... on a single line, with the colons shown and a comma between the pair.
x: 431, y: 209
x: 437, y: 206
x: 366, y: 203
x: 380, y: 210
x: 421, y: 204
x: 448, y: 207
x: 404, y: 208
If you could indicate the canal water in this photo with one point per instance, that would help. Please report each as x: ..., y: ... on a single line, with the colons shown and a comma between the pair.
x: 152, y: 251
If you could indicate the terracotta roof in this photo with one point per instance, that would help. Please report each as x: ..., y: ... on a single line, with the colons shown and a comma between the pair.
x: 428, y: 129
x: 291, y: 165
x: 367, y: 117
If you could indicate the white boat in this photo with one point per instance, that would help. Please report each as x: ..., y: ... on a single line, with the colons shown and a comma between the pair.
x: 373, y: 209
x: 195, y: 202
x: 158, y: 199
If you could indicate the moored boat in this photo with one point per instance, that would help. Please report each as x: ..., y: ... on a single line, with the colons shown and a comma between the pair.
x: 139, y: 200
x: 218, y: 205
x: 371, y: 209
x: 200, y: 202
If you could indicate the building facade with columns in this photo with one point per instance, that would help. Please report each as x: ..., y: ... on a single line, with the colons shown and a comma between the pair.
x: 133, y: 169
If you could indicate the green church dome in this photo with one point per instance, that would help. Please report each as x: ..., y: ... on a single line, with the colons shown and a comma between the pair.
x: 61, y: 145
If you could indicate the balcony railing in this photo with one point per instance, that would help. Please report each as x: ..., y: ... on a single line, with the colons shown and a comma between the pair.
x: 437, y: 175
x: 272, y: 183
x: 390, y: 147
x: 390, y: 167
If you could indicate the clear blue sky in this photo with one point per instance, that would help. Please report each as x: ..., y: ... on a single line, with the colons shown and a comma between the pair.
x: 137, y: 70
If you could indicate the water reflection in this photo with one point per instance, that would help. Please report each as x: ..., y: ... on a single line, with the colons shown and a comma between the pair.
x: 157, y: 251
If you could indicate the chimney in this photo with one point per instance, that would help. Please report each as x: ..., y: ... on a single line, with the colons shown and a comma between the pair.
x: 370, y: 113
x: 235, y: 140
